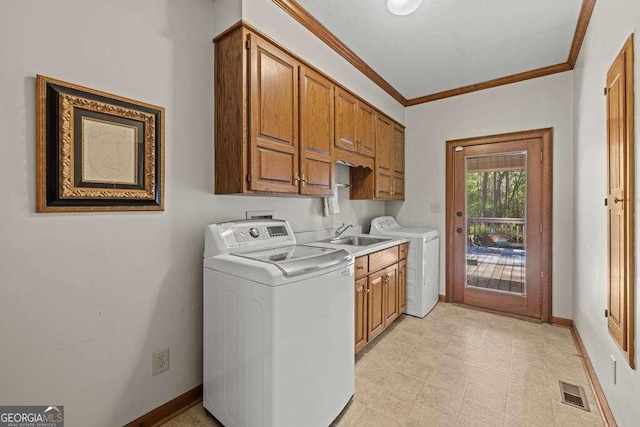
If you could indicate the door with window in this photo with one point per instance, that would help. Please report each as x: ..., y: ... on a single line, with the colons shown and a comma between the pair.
x: 498, y: 223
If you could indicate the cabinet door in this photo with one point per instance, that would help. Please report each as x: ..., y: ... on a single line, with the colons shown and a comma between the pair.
x: 316, y: 133
x: 361, y: 313
x: 383, y: 165
x: 366, y: 130
x: 402, y: 287
x: 398, y: 163
x: 273, y: 126
x: 375, y: 305
x: 390, y: 294
x: 346, y: 109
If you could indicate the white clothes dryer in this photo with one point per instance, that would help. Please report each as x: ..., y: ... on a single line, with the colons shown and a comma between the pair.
x: 423, y: 263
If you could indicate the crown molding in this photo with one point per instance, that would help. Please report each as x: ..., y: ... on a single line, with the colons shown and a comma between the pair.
x: 320, y: 31
x: 581, y: 31
x: 501, y: 81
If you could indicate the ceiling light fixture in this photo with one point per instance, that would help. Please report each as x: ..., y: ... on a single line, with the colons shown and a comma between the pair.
x: 403, y: 7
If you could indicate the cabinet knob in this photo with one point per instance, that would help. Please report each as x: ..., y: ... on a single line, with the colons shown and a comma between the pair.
x: 304, y: 180
x: 297, y: 177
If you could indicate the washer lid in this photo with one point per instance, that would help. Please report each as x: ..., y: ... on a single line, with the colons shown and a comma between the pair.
x: 299, y: 259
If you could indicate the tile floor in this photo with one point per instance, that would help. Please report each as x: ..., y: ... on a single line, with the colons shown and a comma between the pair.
x: 460, y: 367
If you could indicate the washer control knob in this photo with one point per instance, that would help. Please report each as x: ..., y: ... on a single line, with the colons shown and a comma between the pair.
x: 254, y: 232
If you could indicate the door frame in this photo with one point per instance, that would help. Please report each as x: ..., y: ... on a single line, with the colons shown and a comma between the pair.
x: 546, y: 136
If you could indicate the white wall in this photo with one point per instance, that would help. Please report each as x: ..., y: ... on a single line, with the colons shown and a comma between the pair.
x: 612, y: 22
x: 540, y: 103
x: 86, y: 298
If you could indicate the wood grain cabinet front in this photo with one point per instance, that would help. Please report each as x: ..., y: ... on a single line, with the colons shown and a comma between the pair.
x: 274, y: 120
x: 376, y: 309
x: 402, y: 286
x: 380, y: 293
x: 387, y: 179
x: 361, y: 289
x: 390, y: 294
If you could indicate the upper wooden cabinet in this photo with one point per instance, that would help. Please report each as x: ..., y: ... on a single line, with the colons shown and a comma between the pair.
x: 273, y: 131
x: 346, y: 113
x: 384, y: 158
x: 280, y: 125
x: 398, y: 163
x: 366, y: 130
x: 274, y: 120
x: 386, y: 181
x: 355, y: 124
x: 316, y: 133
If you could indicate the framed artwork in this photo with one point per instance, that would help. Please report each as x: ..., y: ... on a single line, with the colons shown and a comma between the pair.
x: 97, y: 151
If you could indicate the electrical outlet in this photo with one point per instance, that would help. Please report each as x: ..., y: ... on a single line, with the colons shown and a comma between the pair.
x: 160, y: 361
x: 613, y: 368
x: 436, y: 207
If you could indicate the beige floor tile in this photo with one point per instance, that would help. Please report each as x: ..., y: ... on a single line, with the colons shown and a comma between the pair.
x: 438, y: 346
x: 513, y: 421
x: 473, y: 414
x: 450, y: 380
x: 521, y: 371
x: 521, y: 355
x: 530, y: 391
x: 567, y: 416
x: 373, y: 418
x: 426, y: 355
x: 374, y: 372
x: 426, y: 416
x: 194, y: 417
x: 489, y: 397
x: 490, y: 377
x: 417, y: 369
x: 495, y: 352
x: 350, y: 415
x: 367, y: 392
x: 393, y: 407
x: 403, y: 386
x: 445, y: 400
x: 462, y: 351
x: 534, y: 412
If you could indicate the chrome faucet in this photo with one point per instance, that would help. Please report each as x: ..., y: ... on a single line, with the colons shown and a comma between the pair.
x: 342, y: 229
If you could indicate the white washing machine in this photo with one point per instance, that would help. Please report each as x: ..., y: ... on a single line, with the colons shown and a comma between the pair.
x: 278, y: 327
x: 423, y: 263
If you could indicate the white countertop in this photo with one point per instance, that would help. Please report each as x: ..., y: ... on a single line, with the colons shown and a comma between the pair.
x: 357, y: 251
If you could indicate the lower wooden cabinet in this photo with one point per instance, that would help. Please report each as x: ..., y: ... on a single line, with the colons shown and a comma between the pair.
x: 361, y: 313
x: 380, y: 294
x: 402, y: 288
x: 376, y: 302
x: 390, y: 294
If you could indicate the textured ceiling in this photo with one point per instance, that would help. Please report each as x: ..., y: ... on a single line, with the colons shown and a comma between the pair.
x: 447, y: 44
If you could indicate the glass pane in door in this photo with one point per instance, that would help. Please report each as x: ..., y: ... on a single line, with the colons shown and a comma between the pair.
x: 496, y: 201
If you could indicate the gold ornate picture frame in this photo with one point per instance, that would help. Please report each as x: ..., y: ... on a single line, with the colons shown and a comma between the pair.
x: 97, y: 151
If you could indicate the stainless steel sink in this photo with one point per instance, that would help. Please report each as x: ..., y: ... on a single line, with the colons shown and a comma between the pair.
x: 355, y: 241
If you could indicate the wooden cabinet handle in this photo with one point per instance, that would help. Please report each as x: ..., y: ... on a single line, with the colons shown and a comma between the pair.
x: 304, y: 180
x: 359, y: 267
x: 297, y: 177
